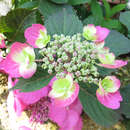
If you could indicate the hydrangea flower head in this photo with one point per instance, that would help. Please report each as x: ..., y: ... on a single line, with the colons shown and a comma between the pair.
x: 96, y: 34
x: 23, y: 99
x: 42, y: 108
x: 20, y: 61
x: 36, y: 35
x: 108, y: 61
x: 64, y: 91
x: 108, y: 93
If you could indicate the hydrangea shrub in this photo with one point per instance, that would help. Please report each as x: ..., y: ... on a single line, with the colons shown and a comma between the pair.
x: 54, y: 70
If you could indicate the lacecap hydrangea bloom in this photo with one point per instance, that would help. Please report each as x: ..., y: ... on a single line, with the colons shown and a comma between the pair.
x: 20, y: 62
x: 36, y: 36
x: 96, y: 34
x: 72, y: 59
x: 108, y: 92
x: 42, y: 109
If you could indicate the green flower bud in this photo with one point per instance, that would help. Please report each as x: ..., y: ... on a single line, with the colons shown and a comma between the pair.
x: 74, y: 67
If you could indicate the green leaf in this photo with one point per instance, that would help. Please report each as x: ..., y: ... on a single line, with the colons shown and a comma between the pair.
x: 107, y: 8
x: 112, y: 24
x: 63, y: 23
x: 11, y: 22
x: 89, y: 20
x: 16, y: 22
x: 60, y: 1
x: 39, y: 80
x: 96, y: 11
x: 47, y: 8
x: 126, y: 122
x: 77, y: 2
x: 104, y: 71
x: 117, y: 9
x: 125, y: 104
x: 125, y: 18
x: 117, y: 43
x: 96, y: 111
x: 29, y: 4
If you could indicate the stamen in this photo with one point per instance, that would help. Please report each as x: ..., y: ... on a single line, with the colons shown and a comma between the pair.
x: 39, y: 110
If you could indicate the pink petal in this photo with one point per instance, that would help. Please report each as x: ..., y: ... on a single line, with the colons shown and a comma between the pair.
x: 68, y: 101
x: 57, y: 114
x: 32, y: 97
x: 117, y: 64
x: 71, y: 120
x: 76, y: 106
x: 101, y: 33
x: 32, y: 33
x: 79, y: 125
x: 27, y: 72
x: 19, y: 106
x: 24, y: 128
x: 15, y: 50
x: 110, y: 100
x: 9, y: 65
x: 2, y: 44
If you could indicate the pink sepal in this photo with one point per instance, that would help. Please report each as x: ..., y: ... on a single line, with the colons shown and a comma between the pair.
x: 68, y: 101
x: 71, y: 120
x: 110, y: 100
x: 32, y: 97
x: 101, y: 33
x: 32, y: 33
x: 117, y: 64
x: 10, y: 66
x: 76, y: 105
x: 57, y: 114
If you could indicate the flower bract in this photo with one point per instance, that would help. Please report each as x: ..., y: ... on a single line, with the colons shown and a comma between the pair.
x: 108, y: 92
x: 20, y: 61
x: 36, y: 36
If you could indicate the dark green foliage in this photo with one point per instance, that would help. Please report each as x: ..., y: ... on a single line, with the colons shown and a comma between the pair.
x: 77, y: 2
x: 118, y: 43
x: 63, y: 23
x: 39, y: 80
x: 97, y: 112
x: 16, y: 22
x: 125, y: 19
x: 30, y: 4
x: 48, y: 8
x: 96, y: 11
x: 125, y: 104
x: 60, y: 1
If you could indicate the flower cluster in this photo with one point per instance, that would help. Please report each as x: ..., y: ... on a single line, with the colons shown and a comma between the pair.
x: 72, y: 55
x: 73, y: 59
x: 43, y: 108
